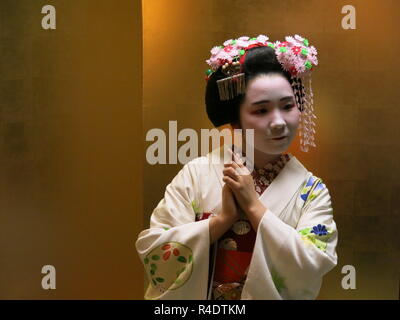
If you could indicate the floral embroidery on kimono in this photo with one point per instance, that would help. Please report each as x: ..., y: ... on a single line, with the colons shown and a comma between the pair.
x: 168, y: 266
x: 312, y: 189
x: 317, y: 236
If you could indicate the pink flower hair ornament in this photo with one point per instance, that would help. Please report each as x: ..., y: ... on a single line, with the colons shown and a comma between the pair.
x: 295, y: 55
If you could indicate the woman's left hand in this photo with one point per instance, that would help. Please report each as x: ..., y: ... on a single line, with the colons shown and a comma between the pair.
x: 240, y: 180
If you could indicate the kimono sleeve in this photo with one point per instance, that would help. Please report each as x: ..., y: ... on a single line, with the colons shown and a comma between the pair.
x: 175, y: 249
x: 294, y: 260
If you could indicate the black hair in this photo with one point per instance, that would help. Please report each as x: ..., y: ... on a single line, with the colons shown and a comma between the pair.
x: 258, y: 61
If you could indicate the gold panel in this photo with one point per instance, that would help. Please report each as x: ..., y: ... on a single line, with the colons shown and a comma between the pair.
x: 70, y: 128
x: 356, y: 99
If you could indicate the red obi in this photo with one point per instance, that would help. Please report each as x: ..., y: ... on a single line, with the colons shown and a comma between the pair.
x: 231, y: 265
x: 234, y: 255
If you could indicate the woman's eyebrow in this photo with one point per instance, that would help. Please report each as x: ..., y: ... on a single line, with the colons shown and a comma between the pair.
x: 266, y: 101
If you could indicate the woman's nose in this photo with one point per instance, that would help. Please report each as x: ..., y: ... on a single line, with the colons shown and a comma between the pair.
x: 277, y: 121
x: 277, y: 127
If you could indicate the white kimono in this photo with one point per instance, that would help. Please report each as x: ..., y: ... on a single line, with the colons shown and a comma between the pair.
x: 295, y: 243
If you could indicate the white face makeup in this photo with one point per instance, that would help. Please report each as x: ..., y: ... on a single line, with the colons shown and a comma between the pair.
x: 269, y: 108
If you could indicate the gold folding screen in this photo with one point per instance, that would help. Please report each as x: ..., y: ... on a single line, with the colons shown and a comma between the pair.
x: 71, y: 135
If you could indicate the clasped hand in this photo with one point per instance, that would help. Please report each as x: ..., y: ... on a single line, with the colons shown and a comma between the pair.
x: 239, y: 192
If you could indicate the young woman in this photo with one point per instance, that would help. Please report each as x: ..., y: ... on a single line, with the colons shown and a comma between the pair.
x: 223, y: 232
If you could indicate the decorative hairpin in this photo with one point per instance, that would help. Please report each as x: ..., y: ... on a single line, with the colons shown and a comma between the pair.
x: 233, y: 84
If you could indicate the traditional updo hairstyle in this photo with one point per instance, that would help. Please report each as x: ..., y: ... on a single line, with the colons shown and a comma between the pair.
x: 258, y: 61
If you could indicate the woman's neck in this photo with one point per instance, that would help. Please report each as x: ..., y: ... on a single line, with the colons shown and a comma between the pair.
x: 261, y: 159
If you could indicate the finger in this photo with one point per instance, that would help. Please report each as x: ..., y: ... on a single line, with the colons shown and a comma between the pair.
x: 240, y: 171
x: 238, y: 163
x: 233, y: 156
x: 230, y: 153
x: 238, y: 159
x: 233, y: 164
x: 243, y: 171
x: 231, y: 172
x: 230, y: 182
x: 228, y: 164
x: 241, y: 164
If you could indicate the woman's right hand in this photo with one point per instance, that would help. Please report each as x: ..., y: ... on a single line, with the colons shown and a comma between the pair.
x: 230, y: 209
x: 227, y: 217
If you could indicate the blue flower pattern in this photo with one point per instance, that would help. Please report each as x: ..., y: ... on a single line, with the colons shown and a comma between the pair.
x: 307, y: 187
x: 307, y: 194
x: 317, y: 235
x: 319, y: 230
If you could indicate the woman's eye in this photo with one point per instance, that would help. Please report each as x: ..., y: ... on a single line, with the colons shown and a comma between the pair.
x: 260, y: 111
x: 288, y: 106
